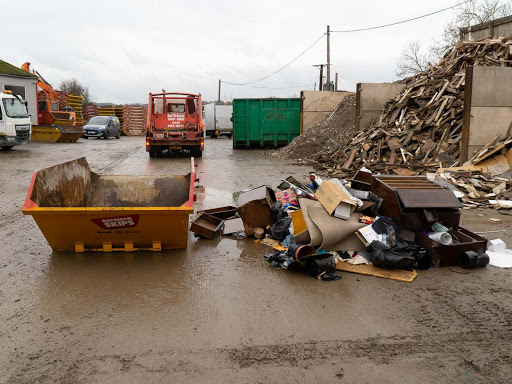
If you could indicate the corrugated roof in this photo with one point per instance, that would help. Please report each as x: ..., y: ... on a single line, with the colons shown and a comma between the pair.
x: 8, y: 69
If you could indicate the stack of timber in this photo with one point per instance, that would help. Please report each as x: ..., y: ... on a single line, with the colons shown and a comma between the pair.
x: 134, y: 120
x: 421, y: 128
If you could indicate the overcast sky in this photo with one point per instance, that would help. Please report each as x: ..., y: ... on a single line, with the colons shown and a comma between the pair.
x: 122, y: 50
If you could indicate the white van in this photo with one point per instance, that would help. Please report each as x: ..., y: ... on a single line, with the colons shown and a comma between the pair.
x: 15, y: 125
x: 217, y: 120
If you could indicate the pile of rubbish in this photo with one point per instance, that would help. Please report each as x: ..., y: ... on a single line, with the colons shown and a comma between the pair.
x: 330, y: 134
x: 380, y: 225
x: 421, y: 127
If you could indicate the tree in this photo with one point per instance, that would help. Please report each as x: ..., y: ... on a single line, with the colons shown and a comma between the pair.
x: 415, y: 56
x: 413, y: 59
x: 74, y: 86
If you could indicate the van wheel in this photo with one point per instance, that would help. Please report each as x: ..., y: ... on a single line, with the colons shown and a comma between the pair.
x: 118, y: 136
x: 86, y: 137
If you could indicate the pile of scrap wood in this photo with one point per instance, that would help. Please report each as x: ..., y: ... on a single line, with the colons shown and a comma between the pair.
x: 485, y: 180
x: 422, y: 127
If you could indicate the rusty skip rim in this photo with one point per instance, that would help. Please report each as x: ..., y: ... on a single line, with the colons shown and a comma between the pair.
x: 30, y: 207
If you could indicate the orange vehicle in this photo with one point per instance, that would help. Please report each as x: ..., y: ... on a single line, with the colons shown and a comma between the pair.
x: 175, y: 123
x: 48, y: 110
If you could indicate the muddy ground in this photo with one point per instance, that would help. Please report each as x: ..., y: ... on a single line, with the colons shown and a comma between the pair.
x: 217, y: 312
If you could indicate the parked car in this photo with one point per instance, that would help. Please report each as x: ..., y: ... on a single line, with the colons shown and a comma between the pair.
x: 103, y: 126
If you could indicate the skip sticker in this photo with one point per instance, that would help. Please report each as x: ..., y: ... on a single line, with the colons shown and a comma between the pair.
x: 2, y: 124
x: 117, y: 222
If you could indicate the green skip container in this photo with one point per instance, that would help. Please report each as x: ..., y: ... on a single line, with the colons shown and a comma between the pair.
x: 265, y: 122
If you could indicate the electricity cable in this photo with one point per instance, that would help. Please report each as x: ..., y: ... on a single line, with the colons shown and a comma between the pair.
x: 399, y: 22
x: 280, y: 69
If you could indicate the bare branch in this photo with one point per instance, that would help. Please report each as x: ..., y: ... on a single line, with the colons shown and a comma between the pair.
x: 73, y: 86
x: 415, y: 58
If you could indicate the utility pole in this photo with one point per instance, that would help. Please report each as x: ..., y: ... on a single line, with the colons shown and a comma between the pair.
x: 218, y: 99
x: 328, y: 58
x: 336, y: 81
x: 321, y: 67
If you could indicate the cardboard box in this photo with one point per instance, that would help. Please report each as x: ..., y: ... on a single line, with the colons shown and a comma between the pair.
x: 331, y: 196
x: 207, y: 226
x: 254, y: 208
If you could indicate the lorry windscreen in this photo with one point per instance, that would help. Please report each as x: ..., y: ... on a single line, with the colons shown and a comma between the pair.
x: 15, y: 109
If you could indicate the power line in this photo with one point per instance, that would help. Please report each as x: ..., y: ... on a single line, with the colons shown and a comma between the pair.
x: 399, y: 22
x: 280, y: 69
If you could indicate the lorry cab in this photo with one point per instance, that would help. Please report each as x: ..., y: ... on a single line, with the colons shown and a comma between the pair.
x: 15, y: 124
x: 175, y: 123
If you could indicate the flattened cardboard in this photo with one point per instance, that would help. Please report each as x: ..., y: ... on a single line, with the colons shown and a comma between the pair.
x: 363, y: 269
x: 233, y: 226
x: 330, y: 196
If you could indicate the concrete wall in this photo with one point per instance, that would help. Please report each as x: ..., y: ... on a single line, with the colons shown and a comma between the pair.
x: 370, y: 101
x: 316, y: 105
x: 498, y: 27
x: 487, y: 107
x: 30, y: 91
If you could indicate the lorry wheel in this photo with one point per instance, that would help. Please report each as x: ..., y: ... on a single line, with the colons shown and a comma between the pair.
x: 213, y: 135
x: 6, y: 148
x: 229, y: 136
x: 196, y: 152
x: 152, y: 154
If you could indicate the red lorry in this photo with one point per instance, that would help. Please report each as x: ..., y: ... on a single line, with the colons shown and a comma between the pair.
x: 175, y: 122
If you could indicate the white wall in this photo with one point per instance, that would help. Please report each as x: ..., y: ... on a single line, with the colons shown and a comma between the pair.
x: 30, y: 92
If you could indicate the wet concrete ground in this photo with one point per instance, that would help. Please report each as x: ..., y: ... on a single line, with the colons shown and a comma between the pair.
x: 217, y: 312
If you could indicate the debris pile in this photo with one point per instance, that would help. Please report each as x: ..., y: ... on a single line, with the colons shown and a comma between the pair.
x: 422, y: 126
x: 330, y: 134
x: 380, y: 225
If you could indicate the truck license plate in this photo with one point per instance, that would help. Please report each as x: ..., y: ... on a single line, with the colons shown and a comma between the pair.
x: 175, y: 147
